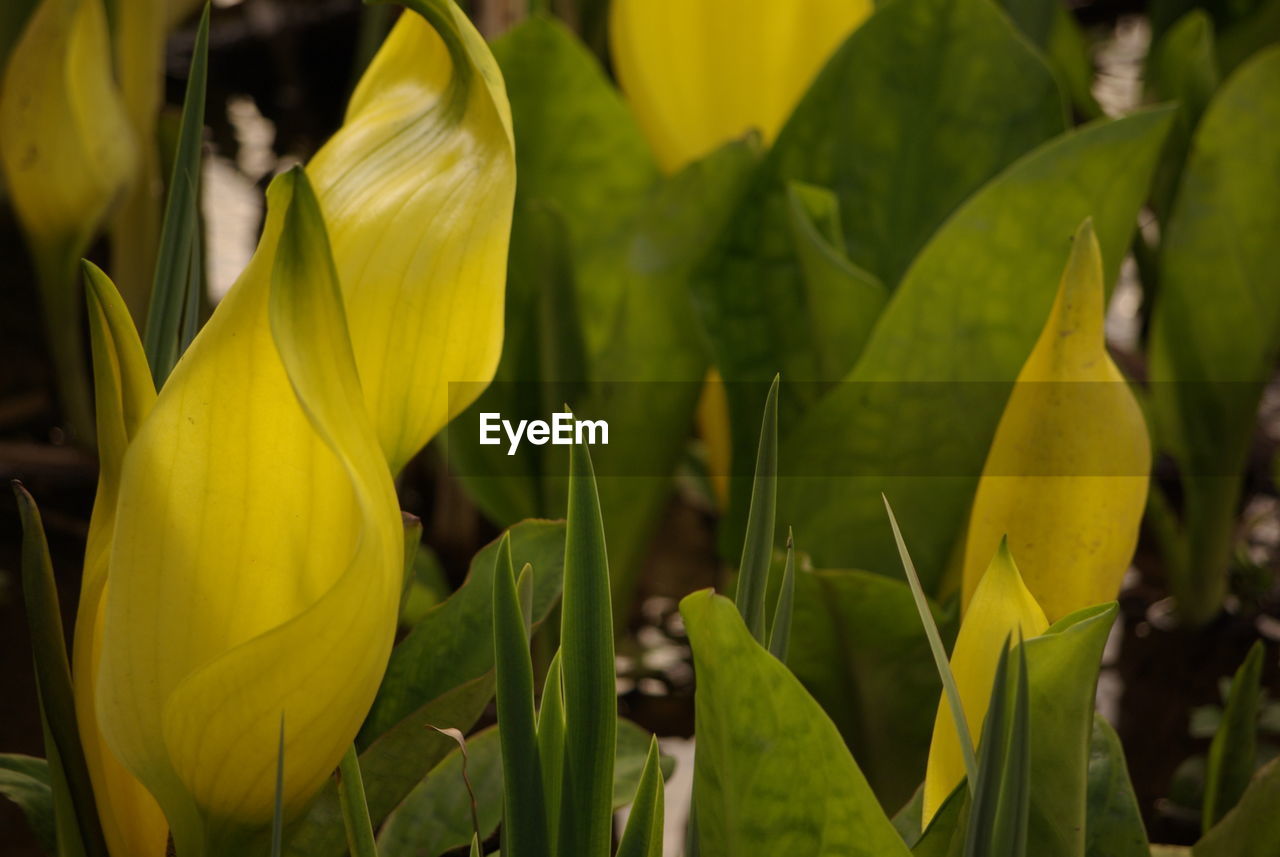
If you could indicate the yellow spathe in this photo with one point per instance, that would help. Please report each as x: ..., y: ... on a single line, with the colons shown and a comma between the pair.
x: 256, y: 565
x: 132, y: 822
x: 417, y: 188
x: 1001, y: 608
x: 1066, y: 475
x: 701, y: 72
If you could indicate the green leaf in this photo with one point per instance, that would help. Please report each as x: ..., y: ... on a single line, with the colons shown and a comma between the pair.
x: 1063, y: 669
x: 590, y: 702
x: 355, y: 807
x: 25, y: 781
x: 757, y: 729
x: 948, y: 94
x: 859, y: 648
x: 1210, y: 359
x: 780, y: 629
x: 177, y: 288
x: 53, y: 681
x: 757, y: 547
x: 945, y: 836
x: 915, y: 417
x: 643, y: 835
x: 524, y: 812
x: 843, y: 300
x: 1001, y: 802
x: 1244, y: 38
x: 1233, y: 753
x: 453, y: 644
x: 1252, y: 829
x: 436, y: 816
x: 937, y: 650
x: 1181, y: 67
x: 1114, y: 822
x: 551, y: 745
x: 1052, y: 28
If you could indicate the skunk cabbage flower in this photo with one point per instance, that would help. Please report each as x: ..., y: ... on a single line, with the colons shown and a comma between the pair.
x: 1066, y: 475
x: 418, y: 188
x: 255, y: 569
x: 67, y: 151
x: 132, y: 822
x: 1001, y: 607
x: 699, y: 73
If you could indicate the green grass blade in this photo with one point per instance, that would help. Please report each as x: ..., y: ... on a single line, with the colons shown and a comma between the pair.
x: 551, y: 746
x: 1233, y: 753
x: 780, y: 635
x: 355, y: 808
x: 757, y: 547
x: 939, y: 651
x: 475, y: 845
x: 174, y: 307
x: 643, y: 836
x: 524, y: 827
x: 590, y: 703
x: 53, y: 672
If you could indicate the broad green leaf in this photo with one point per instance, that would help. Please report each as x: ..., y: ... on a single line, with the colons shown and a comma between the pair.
x: 598, y: 174
x: 1209, y: 360
x: 25, y: 781
x: 453, y: 644
x: 945, y: 835
x: 524, y: 813
x: 757, y: 547
x: 859, y: 648
x: 948, y: 94
x: 66, y: 153
x: 586, y: 648
x: 1181, y: 67
x: 843, y: 300
x: 915, y: 417
x: 1233, y: 753
x: 1252, y: 829
x: 53, y: 682
x: 699, y: 75
x: 436, y: 816
x: 417, y: 188
x: 1052, y: 28
x: 643, y: 835
x: 392, y: 766
x: 176, y: 291
x: 1064, y: 666
x: 1113, y: 825
x: 757, y: 728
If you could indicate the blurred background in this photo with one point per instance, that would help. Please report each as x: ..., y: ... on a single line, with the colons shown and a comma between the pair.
x: 280, y: 72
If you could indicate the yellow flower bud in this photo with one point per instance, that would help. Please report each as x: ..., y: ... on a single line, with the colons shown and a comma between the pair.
x: 257, y: 556
x: 699, y: 73
x: 1066, y: 475
x: 1002, y: 607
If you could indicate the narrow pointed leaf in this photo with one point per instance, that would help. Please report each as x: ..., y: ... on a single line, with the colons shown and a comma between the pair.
x: 586, y: 636
x: 1001, y: 803
x: 1252, y: 829
x: 355, y: 807
x: 757, y: 548
x: 1233, y: 753
x: 53, y: 672
x: 643, y: 835
x: 551, y: 746
x: 780, y: 630
x: 175, y: 291
x: 524, y: 829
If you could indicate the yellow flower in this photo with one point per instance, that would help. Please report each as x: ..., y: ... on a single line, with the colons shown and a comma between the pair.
x: 701, y: 72
x: 67, y: 151
x: 418, y: 188
x: 1066, y: 475
x: 1001, y: 607
x: 257, y: 555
